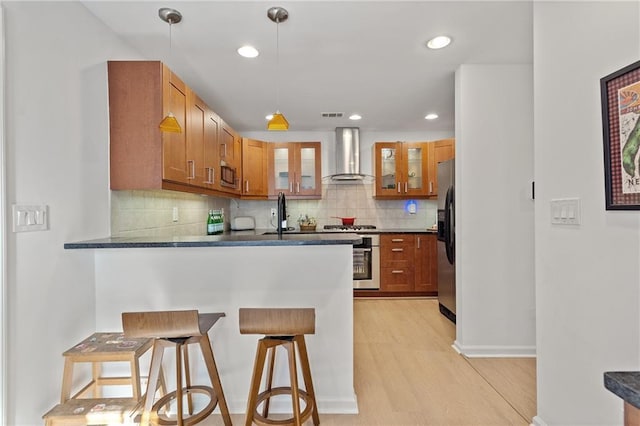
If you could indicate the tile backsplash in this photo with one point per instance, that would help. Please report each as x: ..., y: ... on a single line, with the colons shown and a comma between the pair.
x: 343, y: 200
x: 150, y: 213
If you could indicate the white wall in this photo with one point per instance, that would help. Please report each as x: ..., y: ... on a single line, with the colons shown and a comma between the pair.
x: 57, y: 154
x: 587, y: 278
x: 494, y: 210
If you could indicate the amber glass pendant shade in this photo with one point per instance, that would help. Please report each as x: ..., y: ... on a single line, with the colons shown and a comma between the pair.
x: 170, y: 124
x: 278, y: 122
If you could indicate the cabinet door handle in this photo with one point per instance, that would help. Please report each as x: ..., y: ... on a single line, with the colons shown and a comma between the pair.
x: 246, y: 185
x: 397, y: 271
x: 418, y: 242
x: 431, y: 187
x: 406, y: 187
x: 298, y: 191
x: 397, y: 240
x: 397, y: 249
x: 291, y: 187
x: 209, y: 180
x: 192, y: 169
x: 398, y: 184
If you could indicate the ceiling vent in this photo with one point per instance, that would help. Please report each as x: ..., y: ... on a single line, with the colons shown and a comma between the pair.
x: 332, y: 114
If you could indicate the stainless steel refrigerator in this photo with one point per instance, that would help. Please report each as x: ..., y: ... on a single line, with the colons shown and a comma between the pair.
x: 447, y: 239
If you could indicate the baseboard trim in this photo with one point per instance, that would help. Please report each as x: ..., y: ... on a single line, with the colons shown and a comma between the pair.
x: 482, y: 351
x: 537, y: 421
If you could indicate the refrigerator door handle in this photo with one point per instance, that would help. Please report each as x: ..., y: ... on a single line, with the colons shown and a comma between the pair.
x: 449, y: 233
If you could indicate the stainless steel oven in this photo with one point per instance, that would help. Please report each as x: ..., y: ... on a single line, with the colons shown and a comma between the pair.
x: 366, y: 256
x: 366, y: 263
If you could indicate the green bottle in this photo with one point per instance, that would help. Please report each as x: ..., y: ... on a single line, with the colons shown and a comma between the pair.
x: 211, y: 226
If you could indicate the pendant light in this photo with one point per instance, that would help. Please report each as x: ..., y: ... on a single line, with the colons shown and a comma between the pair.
x: 170, y: 16
x: 277, y: 15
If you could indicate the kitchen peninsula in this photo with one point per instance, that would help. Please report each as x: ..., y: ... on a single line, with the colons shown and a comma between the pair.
x: 226, y: 272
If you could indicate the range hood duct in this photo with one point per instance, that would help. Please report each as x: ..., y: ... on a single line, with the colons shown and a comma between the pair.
x: 347, y: 154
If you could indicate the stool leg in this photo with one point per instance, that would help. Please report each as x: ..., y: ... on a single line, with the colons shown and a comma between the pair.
x: 67, y: 377
x: 254, y: 389
x: 187, y: 377
x: 154, y: 372
x: 272, y: 361
x: 135, y: 378
x: 207, y: 353
x: 293, y: 375
x: 96, y: 371
x: 306, y: 375
x: 179, y: 384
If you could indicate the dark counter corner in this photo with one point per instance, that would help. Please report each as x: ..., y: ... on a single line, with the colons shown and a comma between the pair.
x: 625, y: 384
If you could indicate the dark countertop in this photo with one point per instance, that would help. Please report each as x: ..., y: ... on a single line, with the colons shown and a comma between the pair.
x: 239, y: 238
x: 625, y: 384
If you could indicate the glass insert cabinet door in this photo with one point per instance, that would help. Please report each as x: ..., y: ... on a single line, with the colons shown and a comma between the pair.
x: 414, y: 168
x: 389, y: 167
x: 307, y: 170
x: 294, y: 169
x: 281, y: 169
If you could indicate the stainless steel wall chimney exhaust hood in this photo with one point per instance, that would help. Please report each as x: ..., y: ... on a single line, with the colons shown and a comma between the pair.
x: 347, y: 154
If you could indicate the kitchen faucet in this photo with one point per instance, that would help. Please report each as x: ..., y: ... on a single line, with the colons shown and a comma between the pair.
x: 282, y: 213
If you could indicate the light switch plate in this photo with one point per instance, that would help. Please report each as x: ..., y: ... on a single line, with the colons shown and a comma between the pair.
x: 32, y: 217
x: 565, y: 211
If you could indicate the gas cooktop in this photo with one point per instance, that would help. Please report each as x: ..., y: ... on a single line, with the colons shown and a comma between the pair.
x: 348, y: 227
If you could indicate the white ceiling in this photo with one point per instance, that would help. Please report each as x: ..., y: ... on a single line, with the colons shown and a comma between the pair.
x: 366, y: 57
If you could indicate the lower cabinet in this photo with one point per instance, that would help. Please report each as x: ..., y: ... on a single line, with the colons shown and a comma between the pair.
x: 408, y: 266
x: 426, y: 263
x: 397, y: 254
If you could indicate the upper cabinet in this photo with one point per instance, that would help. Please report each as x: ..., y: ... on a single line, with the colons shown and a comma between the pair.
x: 230, y: 152
x: 401, y: 169
x: 409, y: 169
x: 295, y: 169
x: 206, y: 157
x: 254, y: 169
x: 439, y: 151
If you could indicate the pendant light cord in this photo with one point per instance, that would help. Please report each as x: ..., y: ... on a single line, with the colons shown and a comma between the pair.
x: 278, y: 66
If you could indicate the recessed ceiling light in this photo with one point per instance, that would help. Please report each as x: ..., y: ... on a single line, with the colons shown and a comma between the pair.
x: 438, y: 42
x: 355, y: 117
x: 269, y: 117
x: 248, y: 51
x: 431, y: 116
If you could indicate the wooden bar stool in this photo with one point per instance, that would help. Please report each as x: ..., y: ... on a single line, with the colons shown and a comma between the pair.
x: 282, y: 327
x: 178, y: 329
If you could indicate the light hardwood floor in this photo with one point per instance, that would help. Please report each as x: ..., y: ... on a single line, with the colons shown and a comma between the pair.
x: 407, y: 373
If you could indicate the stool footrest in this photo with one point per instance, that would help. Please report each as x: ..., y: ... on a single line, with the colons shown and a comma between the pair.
x: 284, y: 390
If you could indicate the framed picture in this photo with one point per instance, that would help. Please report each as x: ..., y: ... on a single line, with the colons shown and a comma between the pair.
x: 620, y: 95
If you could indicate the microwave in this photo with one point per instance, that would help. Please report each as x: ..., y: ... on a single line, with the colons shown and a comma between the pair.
x: 228, y: 175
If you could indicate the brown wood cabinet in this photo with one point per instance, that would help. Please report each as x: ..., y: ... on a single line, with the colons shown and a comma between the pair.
x: 426, y: 266
x: 141, y: 93
x: 254, y: 169
x: 230, y: 156
x: 294, y: 168
x: 408, y: 266
x: 401, y: 170
x: 397, y: 255
x: 441, y: 150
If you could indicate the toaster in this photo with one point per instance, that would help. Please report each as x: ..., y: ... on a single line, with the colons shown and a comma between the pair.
x: 242, y: 223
